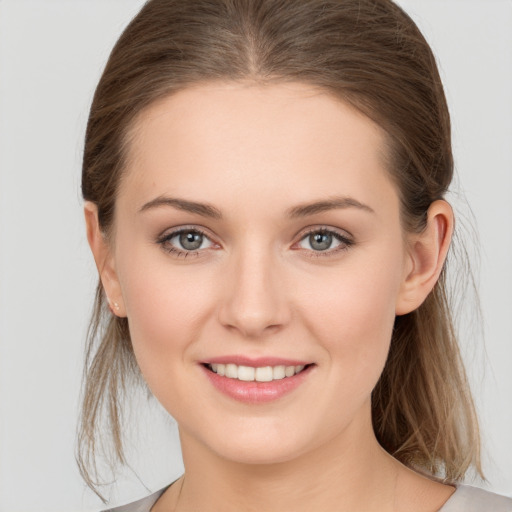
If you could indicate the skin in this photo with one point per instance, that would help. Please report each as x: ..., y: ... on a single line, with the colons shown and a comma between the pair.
x: 257, y: 287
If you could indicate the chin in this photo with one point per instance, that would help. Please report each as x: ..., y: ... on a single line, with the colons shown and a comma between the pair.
x: 259, y: 453
x: 256, y: 442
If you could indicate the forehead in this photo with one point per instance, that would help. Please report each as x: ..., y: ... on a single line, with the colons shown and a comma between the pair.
x: 241, y: 137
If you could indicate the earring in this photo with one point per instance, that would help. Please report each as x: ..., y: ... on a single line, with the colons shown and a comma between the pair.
x: 112, y: 306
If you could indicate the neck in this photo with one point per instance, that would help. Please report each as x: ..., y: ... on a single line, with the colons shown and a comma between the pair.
x: 351, y: 472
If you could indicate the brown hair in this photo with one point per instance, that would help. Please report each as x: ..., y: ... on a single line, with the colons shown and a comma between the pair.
x: 368, y: 53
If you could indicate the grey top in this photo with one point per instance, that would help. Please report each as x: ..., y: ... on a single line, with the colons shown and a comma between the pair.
x: 464, y: 499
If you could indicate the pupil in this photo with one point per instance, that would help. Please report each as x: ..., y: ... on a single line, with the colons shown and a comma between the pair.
x: 320, y: 241
x: 191, y: 240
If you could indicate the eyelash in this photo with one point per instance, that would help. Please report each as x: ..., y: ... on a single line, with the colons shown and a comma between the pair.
x: 345, y: 242
x: 163, y: 241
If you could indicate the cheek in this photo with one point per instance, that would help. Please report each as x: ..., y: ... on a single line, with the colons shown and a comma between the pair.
x: 353, y: 316
x: 166, y: 306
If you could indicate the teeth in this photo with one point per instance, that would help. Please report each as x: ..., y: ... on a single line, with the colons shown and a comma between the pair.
x: 264, y: 374
x: 246, y: 373
x: 279, y: 372
x: 260, y: 374
x: 232, y: 371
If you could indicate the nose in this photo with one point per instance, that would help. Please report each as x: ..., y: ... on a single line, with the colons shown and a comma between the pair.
x: 254, y: 301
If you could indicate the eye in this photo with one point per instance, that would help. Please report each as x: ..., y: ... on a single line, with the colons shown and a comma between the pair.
x: 189, y: 240
x: 185, y: 241
x: 324, y: 240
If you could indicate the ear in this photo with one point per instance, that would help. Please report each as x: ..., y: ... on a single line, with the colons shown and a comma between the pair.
x: 426, y: 256
x: 104, y: 258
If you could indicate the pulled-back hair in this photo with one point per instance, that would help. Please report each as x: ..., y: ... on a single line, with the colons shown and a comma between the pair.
x: 368, y: 53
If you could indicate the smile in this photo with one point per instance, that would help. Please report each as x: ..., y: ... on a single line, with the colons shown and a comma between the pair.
x: 259, y: 374
x: 256, y: 381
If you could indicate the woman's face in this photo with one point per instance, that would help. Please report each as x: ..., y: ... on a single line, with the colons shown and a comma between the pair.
x: 257, y: 227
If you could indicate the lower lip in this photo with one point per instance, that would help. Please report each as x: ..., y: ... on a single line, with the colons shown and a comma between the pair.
x: 256, y: 392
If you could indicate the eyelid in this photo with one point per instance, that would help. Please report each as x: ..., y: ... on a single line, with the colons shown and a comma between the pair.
x: 342, y: 233
x: 170, y: 233
x: 344, y: 237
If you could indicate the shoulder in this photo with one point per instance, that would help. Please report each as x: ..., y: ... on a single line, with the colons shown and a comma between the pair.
x: 464, y: 499
x: 142, y: 505
x: 473, y: 499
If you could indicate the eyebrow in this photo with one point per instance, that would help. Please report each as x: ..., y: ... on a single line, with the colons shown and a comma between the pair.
x: 302, y: 210
x: 333, y: 203
x: 203, y: 209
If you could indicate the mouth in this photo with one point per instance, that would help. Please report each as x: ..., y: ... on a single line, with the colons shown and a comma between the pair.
x: 255, y: 374
x: 257, y: 382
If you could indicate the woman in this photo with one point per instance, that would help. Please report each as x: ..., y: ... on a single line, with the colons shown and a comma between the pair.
x: 264, y: 186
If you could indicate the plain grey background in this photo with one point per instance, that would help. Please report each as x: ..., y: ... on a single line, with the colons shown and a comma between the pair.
x: 51, y: 55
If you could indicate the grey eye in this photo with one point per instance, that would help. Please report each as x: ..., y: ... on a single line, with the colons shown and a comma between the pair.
x: 320, y: 241
x: 323, y: 241
x: 184, y: 242
x: 191, y: 240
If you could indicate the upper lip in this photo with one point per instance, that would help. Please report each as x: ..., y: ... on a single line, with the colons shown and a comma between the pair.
x: 256, y: 362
